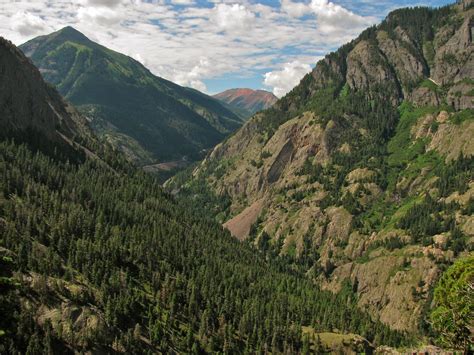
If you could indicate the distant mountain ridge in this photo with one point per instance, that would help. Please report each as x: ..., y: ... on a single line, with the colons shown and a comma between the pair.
x: 248, y: 101
x: 151, y: 119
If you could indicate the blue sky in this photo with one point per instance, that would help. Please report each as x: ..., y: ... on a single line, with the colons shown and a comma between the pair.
x: 209, y: 45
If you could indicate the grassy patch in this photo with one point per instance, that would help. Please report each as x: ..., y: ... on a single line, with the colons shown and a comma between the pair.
x: 344, y: 91
x: 407, y: 158
x: 422, y: 161
x: 363, y: 259
x: 291, y: 249
x: 429, y: 52
x: 401, y: 211
x: 395, y: 270
x: 329, y: 339
x: 462, y: 116
x: 401, y: 147
x: 430, y: 85
x: 377, y: 216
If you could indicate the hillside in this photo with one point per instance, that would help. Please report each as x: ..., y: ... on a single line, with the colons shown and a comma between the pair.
x: 364, y: 172
x: 34, y: 113
x: 96, y: 258
x: 247, y: 101
x: 149, y: 118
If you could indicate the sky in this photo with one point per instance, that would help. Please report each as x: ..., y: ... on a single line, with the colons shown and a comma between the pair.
x: 210, y: 45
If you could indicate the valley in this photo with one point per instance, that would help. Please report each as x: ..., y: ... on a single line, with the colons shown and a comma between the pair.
x: 138, y: 216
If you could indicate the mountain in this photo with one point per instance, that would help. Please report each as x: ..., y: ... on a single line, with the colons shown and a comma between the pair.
x: 363, y: 173
x: 149, y: 118
x: 247, y: 101
x: 33, y: 112
x: 96, y: 258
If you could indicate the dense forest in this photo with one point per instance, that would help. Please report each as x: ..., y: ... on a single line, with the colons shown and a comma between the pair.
x: 153, y: 276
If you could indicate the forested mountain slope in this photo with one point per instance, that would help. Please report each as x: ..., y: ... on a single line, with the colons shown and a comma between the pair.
x: 30, y: 105
x: 149, y: 118
x: 95, y: 257
x: 363, y: 173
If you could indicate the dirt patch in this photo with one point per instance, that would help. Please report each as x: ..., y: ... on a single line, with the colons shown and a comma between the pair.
x: 239, y: 226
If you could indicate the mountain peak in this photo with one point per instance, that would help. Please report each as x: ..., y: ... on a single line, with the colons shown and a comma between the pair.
x: 69, y: 33
x: 247, y: 99
x: 241, y: 90
x: 69, y: 29
x: 88, y: 76
x: 72, y: 34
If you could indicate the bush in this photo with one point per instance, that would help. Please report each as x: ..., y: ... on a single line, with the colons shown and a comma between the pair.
x: 454, y: 311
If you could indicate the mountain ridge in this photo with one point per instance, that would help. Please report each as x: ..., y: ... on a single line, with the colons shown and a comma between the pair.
x: 249, y: 101
x: 151, y: 119
x: 335, y: 175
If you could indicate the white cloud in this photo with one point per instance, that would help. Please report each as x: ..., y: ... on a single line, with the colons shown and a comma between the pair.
x: 100, y: 15
x: 334, y: 18
x: 282, y: 81
x: 295, y: 9
x: 139, y: 58
x: 28, y: 24
x: 241, y: 38
x: 183, y: 2
x: 194, y: 77
x: 107, y: 3
x: 233, y: 17
x: 330, y: 17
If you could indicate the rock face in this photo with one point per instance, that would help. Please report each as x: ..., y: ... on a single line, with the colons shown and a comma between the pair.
x: 70, y: 313
x: 367, y: 69
x: 247, y: 101
x: 340, y: 164
x: 149, y: 118
x: 453, y: 58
